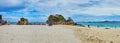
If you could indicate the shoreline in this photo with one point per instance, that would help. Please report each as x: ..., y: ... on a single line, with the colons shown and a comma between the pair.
x: 93, y: 35
x: 69, y: 25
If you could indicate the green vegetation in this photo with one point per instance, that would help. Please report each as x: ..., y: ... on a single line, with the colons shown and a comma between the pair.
x: 59, y: 19
x: 23, y: 21
x: 69, y: 19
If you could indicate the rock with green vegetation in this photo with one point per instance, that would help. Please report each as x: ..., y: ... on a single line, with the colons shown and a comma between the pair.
x: 59, y: 19
x: 2, y: 22
x: 0, y: 17
x: 70, y: 21
x: 23, y: 21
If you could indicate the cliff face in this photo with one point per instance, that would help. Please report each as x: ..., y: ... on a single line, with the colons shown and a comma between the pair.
x: 23, y: 21
x: 59, y: 19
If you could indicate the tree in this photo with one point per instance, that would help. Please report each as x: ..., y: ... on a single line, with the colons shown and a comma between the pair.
x: 22, y: 19
x: 69, y: 19
x: 60, y: 17
x: 52, y: 18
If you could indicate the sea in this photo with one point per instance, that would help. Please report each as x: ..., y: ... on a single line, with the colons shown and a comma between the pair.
x: 91, y: 24
x: 101, y: 24
x: 31, y: 23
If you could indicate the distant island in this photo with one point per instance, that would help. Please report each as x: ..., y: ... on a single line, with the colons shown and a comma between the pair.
x: 2, y: 22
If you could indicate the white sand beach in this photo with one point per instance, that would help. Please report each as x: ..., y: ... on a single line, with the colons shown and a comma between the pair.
x: 36, y: 34
x: 97, y: 35
x: 57, y: 34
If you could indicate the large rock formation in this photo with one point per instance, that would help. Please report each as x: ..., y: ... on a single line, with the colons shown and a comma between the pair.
x: 2, y: 22
x: 70, y: 21
x: 23, y: 21
x: 59, y: 19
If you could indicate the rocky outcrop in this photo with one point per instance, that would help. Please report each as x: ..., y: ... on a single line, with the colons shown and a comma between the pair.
x: 59, y: 19
x: 23, y: 21
x: 70, y: 21
x: 0, y: 17
x: 2, y: 22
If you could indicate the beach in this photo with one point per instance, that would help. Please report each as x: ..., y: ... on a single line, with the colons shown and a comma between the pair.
x: 98, y: 35
x: 36, y: 34
x: 57, y: 34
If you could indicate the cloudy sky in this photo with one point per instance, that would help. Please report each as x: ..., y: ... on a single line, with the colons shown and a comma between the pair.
x: 79, y: 10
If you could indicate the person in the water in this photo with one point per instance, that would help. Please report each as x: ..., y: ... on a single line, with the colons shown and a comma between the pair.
x: 98, y: 26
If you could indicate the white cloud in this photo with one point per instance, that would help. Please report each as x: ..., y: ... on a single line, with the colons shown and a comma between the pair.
x: 69, y: 7
x: 105, y: 7
x: 98, y: 11
x: 10, y: 2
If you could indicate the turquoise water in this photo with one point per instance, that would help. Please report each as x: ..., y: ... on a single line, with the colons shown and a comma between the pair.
x: 103, y: 25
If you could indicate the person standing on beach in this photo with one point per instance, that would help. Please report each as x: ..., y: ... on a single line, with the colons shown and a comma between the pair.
x: 88, y: 26
x: 51, y: 23
x: 0, y: 22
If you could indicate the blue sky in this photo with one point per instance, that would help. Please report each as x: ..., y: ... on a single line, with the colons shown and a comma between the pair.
x: 78, y: 10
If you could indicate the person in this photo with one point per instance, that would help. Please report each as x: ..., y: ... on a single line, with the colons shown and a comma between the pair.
x: 50, y: 24
x: 0, y: 23
x: 88, y: 26
x: 98, y: 26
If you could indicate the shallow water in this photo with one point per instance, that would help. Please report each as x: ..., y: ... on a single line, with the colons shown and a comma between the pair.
x: 103, y: 25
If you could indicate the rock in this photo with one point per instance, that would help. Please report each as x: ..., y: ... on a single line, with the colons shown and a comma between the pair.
x: 107, y: 28
x: 0, y: 17
x: 59, y: 19
x: 70, y: 21
x: 23, y: 21
x: 2, y: 22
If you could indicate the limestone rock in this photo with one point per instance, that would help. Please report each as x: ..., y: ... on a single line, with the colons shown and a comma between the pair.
x: 59, y: 19
x: 23, y: 21
x: 2, y: 22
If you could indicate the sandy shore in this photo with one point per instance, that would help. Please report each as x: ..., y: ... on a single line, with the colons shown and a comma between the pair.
x: 36, y: 34
x: 57, y: 34
x: 99, y: 35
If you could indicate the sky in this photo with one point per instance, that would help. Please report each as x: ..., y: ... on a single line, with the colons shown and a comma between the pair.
x: 78, y: 10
